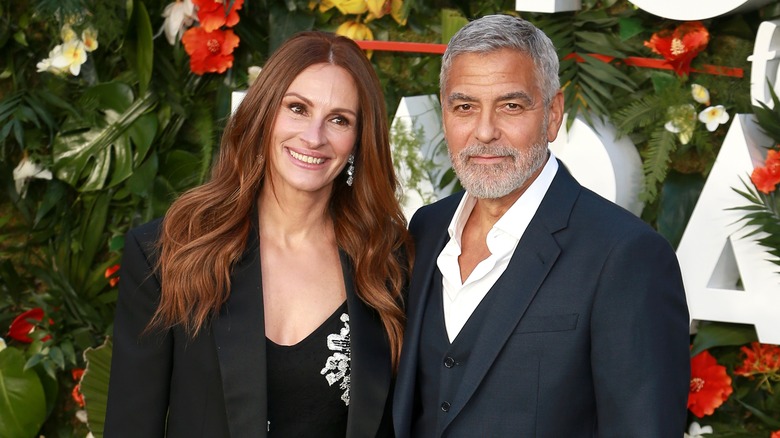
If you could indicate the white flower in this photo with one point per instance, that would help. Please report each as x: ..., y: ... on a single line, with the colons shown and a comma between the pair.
x: 696, y: 431
x: 682, y: 121
x: 700, y: 94
x: 178, y: 15
x: 252, y: 73
x: 713, y: 116
x: 25, y: 171
x: 89, y: 38
x: 2, y: 344
x: 65, y: 57
x: 81, y: 415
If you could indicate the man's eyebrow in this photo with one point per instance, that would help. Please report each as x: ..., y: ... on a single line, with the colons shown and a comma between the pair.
x: 522, y: 96
x: 460, y: 97
x: 526, y: 99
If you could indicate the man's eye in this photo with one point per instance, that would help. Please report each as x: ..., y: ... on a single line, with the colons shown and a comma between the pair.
x: 463, y: 107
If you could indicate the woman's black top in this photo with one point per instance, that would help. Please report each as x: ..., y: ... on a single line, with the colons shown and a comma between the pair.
x: 308, y: 383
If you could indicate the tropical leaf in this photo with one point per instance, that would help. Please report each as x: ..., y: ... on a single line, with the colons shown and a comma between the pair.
x: 763, y: 217
x: 721, y: 334
x: 22, y: 400
x: 94, y: 385
x: 656, y: 162
x: 103, y: 155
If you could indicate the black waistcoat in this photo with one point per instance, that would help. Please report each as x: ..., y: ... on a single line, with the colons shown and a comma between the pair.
x: 441, y: 364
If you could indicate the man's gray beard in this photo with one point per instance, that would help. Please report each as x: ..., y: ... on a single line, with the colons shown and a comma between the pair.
x: 492, y: 181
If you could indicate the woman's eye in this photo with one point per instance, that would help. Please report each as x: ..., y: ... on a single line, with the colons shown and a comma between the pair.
x: 297, y: 108
x: 341, y: 121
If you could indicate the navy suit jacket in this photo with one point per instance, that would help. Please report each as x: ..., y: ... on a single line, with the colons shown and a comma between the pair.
x: 215, y: 385
x: 587, y: 335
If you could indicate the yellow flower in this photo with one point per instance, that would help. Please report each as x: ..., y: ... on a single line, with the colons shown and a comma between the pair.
x: 356, y: 31
x: 377, y: 7
x: 356, y: 7
x: 67, y: 34
x: 398, y: 12
x: 700, y: 94
x: 682, y: 121
x: 89, y: 38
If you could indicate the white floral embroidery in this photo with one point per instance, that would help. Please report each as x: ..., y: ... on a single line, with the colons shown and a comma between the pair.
x: 337, y: 367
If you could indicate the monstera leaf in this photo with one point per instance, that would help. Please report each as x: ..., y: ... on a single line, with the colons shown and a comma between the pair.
x: 94, y: 385
x: 22, y: 400
x: 107, y: 152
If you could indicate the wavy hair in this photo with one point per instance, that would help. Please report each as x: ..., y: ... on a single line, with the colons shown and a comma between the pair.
x: 204, y: 232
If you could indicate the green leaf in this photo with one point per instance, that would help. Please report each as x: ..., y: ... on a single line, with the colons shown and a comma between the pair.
x: 630, y: 27
x: 721, y: 334
x: 451, y: 22
x: 22, y: 400
x: 94, y: 385
x: 283, y: 24
x: 769, y: 421
x: 678, y: 198
x: 139, y: 45
x: 84, y: 159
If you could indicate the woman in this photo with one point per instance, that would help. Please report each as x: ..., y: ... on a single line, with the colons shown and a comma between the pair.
x: 267, y: 301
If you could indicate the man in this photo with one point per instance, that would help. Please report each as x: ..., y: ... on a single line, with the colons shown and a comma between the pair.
x: 536, y: 308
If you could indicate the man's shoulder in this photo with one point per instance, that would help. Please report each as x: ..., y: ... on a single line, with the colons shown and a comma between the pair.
x: 437, y: 212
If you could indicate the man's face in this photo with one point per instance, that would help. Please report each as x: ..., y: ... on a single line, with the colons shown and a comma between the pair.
x: 495, y: 122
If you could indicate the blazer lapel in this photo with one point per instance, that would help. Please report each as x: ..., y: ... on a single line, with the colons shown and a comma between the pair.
x: 239, y: 335
x: 370, y: 370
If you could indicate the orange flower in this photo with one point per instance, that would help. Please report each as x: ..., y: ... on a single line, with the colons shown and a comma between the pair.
x: 110, y: 271
x: 214, y: 14
x: 760, y: 360
x: 78, y: 397
x: 21, y: 327
x: 210, y: 52
x: 767, y: 177
x: 681, y: 45
x: 710, y: 385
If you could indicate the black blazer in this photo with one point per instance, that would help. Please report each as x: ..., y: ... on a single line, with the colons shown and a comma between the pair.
x: 215, y: 385
x: 587, y: 335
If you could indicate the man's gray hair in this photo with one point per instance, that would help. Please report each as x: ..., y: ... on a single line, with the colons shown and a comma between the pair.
x: 495, y: 32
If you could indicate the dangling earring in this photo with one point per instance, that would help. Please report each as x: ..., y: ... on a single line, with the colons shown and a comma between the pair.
x: 350, y: 170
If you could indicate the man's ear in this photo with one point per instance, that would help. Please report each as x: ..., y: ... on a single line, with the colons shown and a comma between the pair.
x: 555, y: 117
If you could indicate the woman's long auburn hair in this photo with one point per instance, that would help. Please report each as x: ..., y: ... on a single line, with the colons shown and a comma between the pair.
x: 204, y: 233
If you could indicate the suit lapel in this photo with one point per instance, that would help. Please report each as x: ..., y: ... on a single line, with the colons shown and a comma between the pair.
x: 530, y: 264
x: 369, y: 362
x: 511, y: 295
x: 428, y: 242
x: 239, y: 335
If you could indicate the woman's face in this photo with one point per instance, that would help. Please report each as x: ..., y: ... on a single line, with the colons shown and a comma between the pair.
x: 315, y: 130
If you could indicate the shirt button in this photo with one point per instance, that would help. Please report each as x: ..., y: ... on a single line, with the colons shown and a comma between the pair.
x: 445, y: 406
x: 449, y: 362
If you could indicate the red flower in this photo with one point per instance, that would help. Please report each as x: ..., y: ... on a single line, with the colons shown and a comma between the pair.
x: 767, y: 177
x: 710, y: 385
x: 214, y: 14
x: 112, y: 281
x: 21, y: 327
x: 759, y: 359
x: 78, y: 397
x: 775, y: 434
x: 681, y: 45
x: 210, y: 52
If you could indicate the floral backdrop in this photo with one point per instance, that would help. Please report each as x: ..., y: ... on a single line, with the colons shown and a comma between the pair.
x: 109, y: 110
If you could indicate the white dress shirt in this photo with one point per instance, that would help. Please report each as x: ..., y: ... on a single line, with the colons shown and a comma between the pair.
x: 461, y: 299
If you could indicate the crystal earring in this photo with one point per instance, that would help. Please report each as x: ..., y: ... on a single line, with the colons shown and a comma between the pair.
x: 350, y: 170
